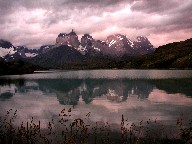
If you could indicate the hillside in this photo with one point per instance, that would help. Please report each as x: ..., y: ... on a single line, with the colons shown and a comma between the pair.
x: 177, y: 55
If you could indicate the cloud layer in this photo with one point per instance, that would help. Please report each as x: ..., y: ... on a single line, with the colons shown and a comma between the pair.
x: 38, y: 22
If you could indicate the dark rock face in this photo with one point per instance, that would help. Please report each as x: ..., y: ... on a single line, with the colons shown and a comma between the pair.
x: 143, y: 46
x: 57, y: 57
x: 70, y: 39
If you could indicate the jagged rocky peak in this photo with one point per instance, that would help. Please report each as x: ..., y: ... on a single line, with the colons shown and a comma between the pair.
x: 87, y: 36
x: 70, y: 39
x: 72, y: 33
x: 142, y: 39
x: 62, y: 35
x: 86, y: 40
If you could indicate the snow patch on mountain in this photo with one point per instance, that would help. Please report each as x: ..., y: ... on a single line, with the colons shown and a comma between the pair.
x: 31, y: 54
x: 6, y: 51
x: 95, y: 48
x: 112, y: 42
x: 120, y: 37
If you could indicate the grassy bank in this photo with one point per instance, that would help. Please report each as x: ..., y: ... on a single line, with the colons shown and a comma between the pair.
x: 65, y: 130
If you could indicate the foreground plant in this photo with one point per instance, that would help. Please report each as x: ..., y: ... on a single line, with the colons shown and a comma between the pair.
x: 66, y: 130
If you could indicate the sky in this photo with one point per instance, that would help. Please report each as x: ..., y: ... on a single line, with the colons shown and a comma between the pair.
x: 38, y: 22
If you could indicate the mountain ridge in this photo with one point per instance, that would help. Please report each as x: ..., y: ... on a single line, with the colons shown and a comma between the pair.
x: 116, y: 45
x: 116, y: 52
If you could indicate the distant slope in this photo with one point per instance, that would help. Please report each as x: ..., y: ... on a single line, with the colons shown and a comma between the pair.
x: 174, y: 55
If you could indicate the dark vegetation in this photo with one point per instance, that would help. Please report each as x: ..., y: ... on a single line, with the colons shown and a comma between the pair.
x: 17, y: 67
x: 81, y: 131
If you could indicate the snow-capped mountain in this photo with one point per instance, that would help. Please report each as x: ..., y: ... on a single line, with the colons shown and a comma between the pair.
x: 24, y: 52
x: 91, y: 46
x: 115, y: 45
x: 6, y: 48
x: 8, y: 52
x: 121, y: 45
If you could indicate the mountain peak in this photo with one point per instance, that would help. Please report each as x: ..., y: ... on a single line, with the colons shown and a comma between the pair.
x: 70, y: 39
x: 87, y: 36
x: 142, y: 38
x: 62, y: 35
x: 72, y: 32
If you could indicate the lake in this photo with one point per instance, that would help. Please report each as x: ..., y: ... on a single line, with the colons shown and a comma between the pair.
x: 160, y: 95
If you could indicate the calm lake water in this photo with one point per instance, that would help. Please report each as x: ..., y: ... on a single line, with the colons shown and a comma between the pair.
x: 138, y: 94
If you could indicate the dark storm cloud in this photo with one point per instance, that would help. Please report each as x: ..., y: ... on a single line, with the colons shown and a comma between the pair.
x: 176, y: 13
x: 155, y: 6
x: 37, y: 22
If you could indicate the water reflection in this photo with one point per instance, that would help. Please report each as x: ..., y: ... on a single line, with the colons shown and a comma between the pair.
x: 5, y: 95
x: 68, y: 91
x: 107, y: 99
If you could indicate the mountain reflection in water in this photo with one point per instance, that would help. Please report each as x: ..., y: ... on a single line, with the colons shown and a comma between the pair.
x: 68, y: 91
x: 106, y: 99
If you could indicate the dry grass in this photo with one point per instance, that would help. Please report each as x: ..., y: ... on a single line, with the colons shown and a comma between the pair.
x: 79, y: 131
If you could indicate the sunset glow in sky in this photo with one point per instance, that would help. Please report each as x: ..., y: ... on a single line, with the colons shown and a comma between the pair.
x: 37, y: 22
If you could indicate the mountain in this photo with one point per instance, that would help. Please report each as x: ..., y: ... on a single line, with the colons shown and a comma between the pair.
x: 143, y: 46
x: 24, y: 52
x: 115, y: 45
x: 121, y: 45
x: 70, y: 39
x: 116, y: 52
x: 44, y: 48
x: 9, y: 52
x: 57, y: 57
x: 69, y: 52
x: 177, y: 55
x: 91, y: 47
